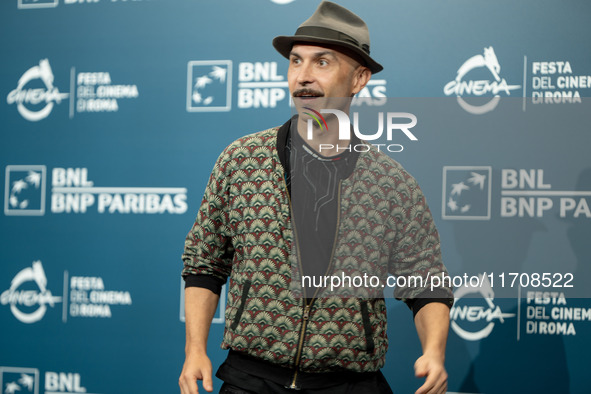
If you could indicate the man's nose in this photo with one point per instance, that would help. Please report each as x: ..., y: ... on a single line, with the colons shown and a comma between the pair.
x: 305, y: 74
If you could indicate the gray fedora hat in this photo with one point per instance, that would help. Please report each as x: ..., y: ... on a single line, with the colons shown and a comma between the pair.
x: 335, y: 25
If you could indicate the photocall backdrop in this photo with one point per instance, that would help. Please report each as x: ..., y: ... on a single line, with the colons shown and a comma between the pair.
x: 113, y: 113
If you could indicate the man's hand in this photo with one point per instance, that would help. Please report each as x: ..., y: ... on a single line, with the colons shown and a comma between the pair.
x: 434, y: 370
x: 196, y: 368
x: 200, y: 305
x: 432, y: 322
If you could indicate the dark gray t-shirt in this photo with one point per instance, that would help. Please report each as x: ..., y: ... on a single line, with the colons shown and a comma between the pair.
x: 314, y: 182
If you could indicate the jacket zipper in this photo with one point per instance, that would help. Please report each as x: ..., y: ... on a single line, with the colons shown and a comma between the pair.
x: 300, y: 345
x: 307, y: 306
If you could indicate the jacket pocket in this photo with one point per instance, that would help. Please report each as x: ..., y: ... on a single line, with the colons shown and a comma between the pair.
x: 240, y: 310
x: 370, y: 345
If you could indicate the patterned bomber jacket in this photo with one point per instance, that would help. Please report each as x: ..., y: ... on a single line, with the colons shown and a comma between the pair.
x: 244, y: 230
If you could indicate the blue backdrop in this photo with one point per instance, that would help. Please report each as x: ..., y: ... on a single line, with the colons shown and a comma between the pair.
x: 113, y: 113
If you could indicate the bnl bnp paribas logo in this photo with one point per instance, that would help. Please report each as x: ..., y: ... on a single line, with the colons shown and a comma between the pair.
x: 31, y: 4
x: 473, y: 79
x: 73, y: 192
x: 524, y: 193
x: 260, y: 85
x: 25, y: 4
x: 24, y: 193
x: 209, y: 86
x: 19, y: 380
x: 466, y: 192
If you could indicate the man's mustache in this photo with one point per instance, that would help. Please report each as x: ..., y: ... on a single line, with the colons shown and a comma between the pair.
x: 307, y: 92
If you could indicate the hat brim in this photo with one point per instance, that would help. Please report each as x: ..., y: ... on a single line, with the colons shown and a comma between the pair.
x: 283, y: 45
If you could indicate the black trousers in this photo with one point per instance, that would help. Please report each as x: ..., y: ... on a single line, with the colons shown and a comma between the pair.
x: 374, y: 385
x: 243, y: 374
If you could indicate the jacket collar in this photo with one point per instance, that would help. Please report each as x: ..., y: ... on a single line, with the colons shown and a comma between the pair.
x: 282, y: 140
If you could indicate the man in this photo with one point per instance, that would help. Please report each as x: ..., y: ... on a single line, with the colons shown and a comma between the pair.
x: 277, y: 207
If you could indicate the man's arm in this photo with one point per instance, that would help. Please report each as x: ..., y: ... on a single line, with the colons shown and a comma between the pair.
x: 200, y: 306
x: 432, y: 323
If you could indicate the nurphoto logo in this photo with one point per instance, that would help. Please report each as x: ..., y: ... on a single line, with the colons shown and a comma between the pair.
x: 28, y: 302
x: 390, y: 125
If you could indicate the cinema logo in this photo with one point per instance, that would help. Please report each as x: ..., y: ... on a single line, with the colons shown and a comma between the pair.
x: 318, y: 122
x: 35, y: 95
x: 96, y: 92
x: 463, y: 86
x: 73, y: 192
x: 28, y: 295
x: 89, y: 297
x: 553, y: 82
x: 474, y: 318
x: 84, y: 296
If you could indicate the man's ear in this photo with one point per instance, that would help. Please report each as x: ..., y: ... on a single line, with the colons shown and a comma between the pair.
x: 361, y: 78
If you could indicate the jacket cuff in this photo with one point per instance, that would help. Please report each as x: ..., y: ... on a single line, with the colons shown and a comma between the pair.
x: 428, y: 296
x: 205, y: 281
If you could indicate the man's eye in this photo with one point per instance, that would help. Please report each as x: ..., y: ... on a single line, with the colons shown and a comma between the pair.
x: 322, y: 62
x: 295, y: 61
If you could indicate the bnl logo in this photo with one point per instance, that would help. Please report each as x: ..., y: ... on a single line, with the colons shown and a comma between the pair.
x: 19, y: 380
x: 23, y: 4
x: 209, y: 86
x: 24, y: 191
x: 466, y: 193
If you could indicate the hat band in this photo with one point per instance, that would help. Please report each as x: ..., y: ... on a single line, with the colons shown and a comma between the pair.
x: 324, y: 32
